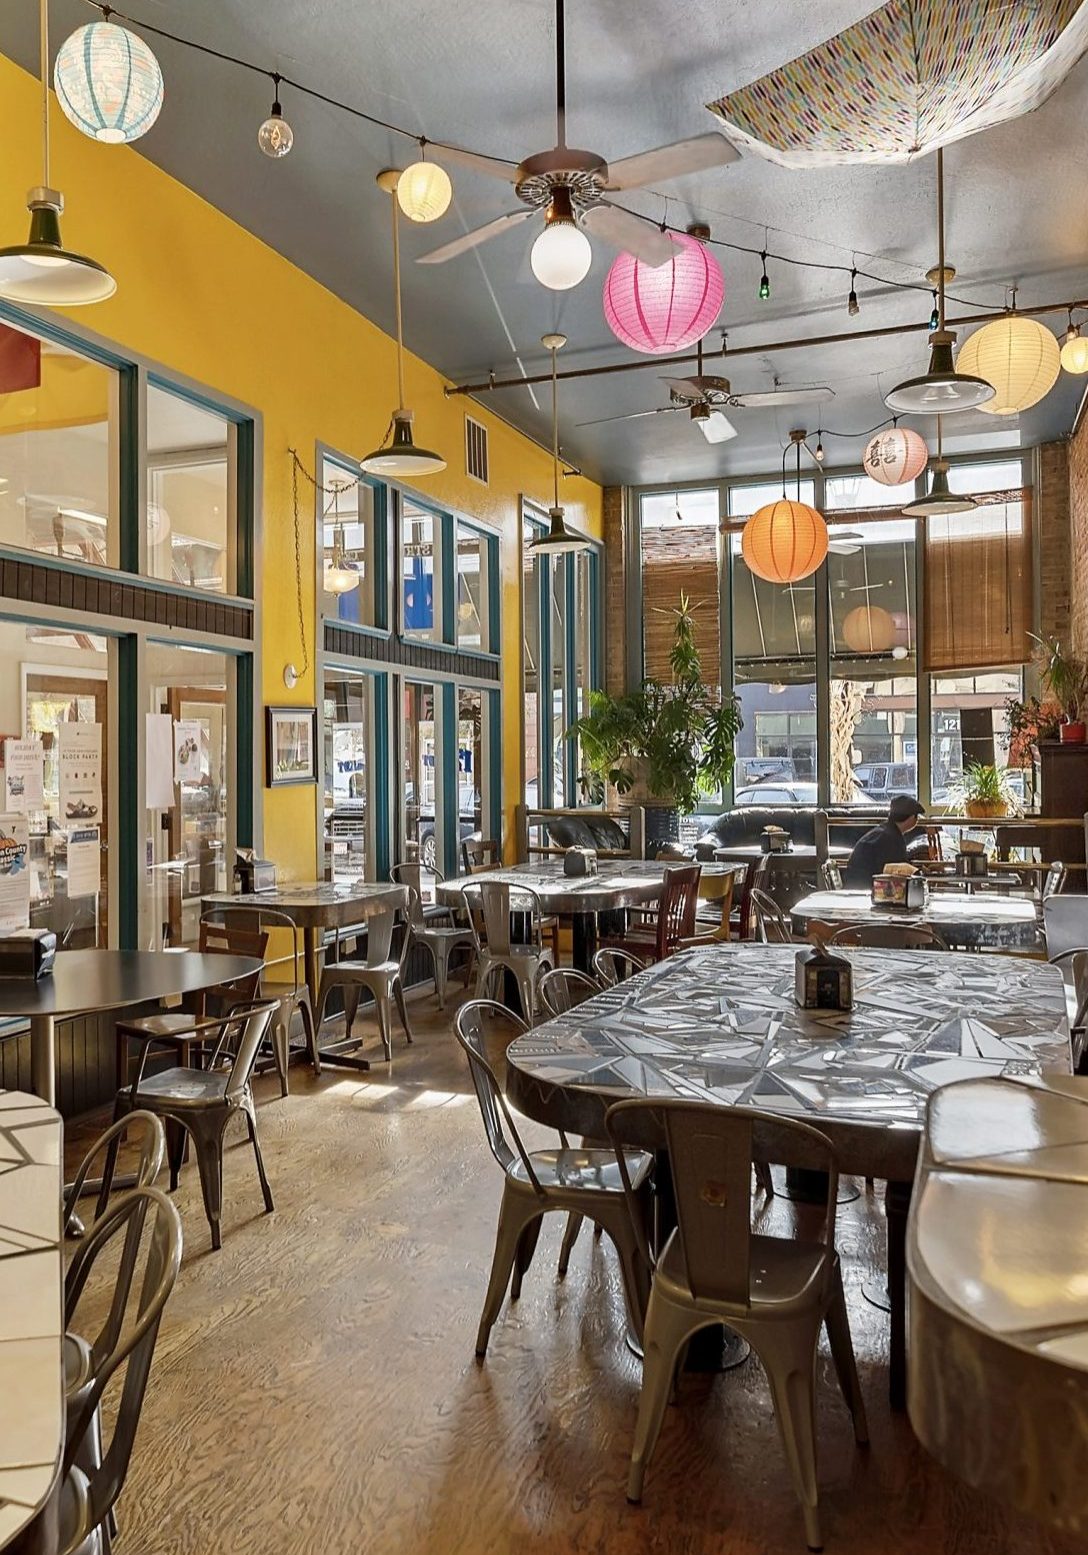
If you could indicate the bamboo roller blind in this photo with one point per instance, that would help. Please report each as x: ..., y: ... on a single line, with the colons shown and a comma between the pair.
x: 978, y: 585
x: 674, y: 562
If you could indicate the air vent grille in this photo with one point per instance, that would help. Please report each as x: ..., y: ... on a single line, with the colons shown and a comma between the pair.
x: 476, y: 450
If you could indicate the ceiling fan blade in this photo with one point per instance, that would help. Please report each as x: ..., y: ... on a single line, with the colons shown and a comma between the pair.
x: 494, y: 167
x: 817, y: 394
x: 467, y: 240
x: 622, y: 230
x: 633, y: 415
x: 698, y: 386
x: 717, y: 428
x: 664, y: 162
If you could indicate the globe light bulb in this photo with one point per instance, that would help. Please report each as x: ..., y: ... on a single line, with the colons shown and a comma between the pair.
x: 275, y: 136
x: 561, y: 255
x: 1074, y: 357
x: 424, y: 191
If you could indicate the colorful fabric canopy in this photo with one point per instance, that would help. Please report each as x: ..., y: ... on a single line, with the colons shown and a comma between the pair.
x: 915, y: 75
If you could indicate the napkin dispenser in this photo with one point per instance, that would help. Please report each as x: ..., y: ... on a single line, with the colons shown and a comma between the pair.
x: 972, y: 863
x: 909, y: 893
x: 773, y: 839
x: 580, y: 861
x: 27, y: 953
x: 252, y: 873
x: 823, y: 981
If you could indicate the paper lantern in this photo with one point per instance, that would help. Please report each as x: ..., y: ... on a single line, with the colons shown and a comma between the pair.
x: 784, y: 541
x: 1074, y: 353
x: 424, y: 191
x: 869, y: 629
x: 661, y: 309
x: 108, y: 82
x: 895, y: 456
x: 1019, y: 356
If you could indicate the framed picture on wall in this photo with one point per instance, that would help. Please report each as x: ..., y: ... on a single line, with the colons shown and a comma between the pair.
x: 290, y: 745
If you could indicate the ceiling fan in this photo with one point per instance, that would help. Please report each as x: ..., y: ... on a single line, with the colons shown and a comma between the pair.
x: 705, y: 396
x: 573, y: 185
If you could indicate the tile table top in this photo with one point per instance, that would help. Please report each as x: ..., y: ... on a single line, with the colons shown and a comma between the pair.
x: 987, y: 920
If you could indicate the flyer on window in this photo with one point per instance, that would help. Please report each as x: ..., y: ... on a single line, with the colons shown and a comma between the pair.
x: 24, y: 771
x: 187, y: 750
x: 14, y: 873
x: 79, y: 755
x: 84, y: 861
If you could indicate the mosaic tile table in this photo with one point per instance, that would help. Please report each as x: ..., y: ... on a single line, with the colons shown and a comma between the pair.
x: 987, y: 921
x: 721, y: 1024
x: 31, y: 1311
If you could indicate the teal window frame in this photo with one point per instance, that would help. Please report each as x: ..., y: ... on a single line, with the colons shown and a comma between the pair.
x: 380, y: 537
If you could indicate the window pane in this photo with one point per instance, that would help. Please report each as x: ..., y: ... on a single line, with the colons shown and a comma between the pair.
x: 855, y: 492
x: 420, y: 573
x: 472, y: 806
x: 350, y: 589
x: 679, y: 557
x: 473, y: 591
x: 558, y: 644
x: 190, y: 494
x: 421, y: 774
x: 58, y: 451
x: 530, y: 582
x: 350, y: 746
x: 187, y: 842
x: 970, y: 726
x: 54, y: 676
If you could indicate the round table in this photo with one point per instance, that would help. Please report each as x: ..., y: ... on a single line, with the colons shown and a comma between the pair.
x: 89, y: 982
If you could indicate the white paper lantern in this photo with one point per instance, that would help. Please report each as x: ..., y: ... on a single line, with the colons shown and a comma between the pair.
x: 108, y: 83
x: 424, y: 191
x: 869, y: 629
x: 895, y: 456
x: 1019, y: 356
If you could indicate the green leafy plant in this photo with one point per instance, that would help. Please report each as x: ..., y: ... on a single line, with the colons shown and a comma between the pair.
x: 1030, y: 721
x: 1065, y: 676
x: 673, y: 741
x: 985, y: 786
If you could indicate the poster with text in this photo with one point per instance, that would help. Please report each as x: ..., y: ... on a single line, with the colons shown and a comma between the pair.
x: 84, y: 861
x: 187, y: 750
x: 79, y: 755
x: 24, y: 771
x: 14, y: 873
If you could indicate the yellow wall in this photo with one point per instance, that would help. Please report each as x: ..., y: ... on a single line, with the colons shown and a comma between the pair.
x: 206, y: 298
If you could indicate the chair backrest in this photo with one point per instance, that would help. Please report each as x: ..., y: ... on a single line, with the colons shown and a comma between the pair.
x: 613, y: 966
x: 830, y: 875
x: 711, y: 1150
x: 256, y: 919
x: 468, y: 1028
x: 677, y: 906
x: 1055, y: 879
x: 1065, y: 918
x: 379, y: 937
x: 889, y: 936
x: 489, y: 904
x: 228, y: 939
x: 147, y: 1225
x: 479, y: 854
x: 771, y: 922
x: 563, y: 988
x: 409, y: 875
x: 145, y: 1132
x: 239, y: 1042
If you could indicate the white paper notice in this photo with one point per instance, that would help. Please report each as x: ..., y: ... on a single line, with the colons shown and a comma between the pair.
x: 187, y: 750
x: 159, y: 747
x: 84, y: 862
x: 24, y: 767
x: 14, y: 873
x: 79, y: 750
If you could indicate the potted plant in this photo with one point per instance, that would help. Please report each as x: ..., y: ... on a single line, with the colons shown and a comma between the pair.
x: 662, y: 746
x: 1066, y: 678
x: 1030, y: 722
x: 985, y: 792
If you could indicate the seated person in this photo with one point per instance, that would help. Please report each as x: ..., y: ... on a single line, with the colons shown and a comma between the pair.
x: 884, y: 844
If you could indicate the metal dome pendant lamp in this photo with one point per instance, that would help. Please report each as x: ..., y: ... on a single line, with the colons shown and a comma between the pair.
x: 939, y: 501
x: 41, y: 271
x: 400, y: 456
x: 559, y: 539
x: 941, y: 390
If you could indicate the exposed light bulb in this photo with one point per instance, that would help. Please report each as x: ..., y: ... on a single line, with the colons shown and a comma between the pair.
x: 561, y: 255
x: 275, y: 136
x: 1074, y: 357
x: 852, y: 306
x: 424, y: 191
x: 819, y: 449
x: 764, y: 282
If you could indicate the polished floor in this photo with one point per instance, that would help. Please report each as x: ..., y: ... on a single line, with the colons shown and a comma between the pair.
x: 314, y: 1391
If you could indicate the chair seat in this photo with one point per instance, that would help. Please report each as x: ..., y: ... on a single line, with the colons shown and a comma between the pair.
x: 181, y: 1087
x: 167, y: 1024
x: 785, y: 1275
x: 360, y: 969
x: 440, y: 932
x: 583, y: 1169
x: 76, y: 1355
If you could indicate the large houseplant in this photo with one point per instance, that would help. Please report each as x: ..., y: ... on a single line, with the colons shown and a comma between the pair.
x: 984, y: 791
x: 662, y: 746
x: 1066, y: 678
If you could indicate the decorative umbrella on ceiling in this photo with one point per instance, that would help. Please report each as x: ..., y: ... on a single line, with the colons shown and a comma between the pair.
x: 915, y: 75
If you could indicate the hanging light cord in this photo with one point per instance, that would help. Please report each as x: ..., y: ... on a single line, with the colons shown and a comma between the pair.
x: 940, y: 247
x: 396, y: 298
x: 43, y: 50
x: 555, y: 427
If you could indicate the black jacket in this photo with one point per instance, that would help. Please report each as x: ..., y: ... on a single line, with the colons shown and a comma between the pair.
x: 883, y: 845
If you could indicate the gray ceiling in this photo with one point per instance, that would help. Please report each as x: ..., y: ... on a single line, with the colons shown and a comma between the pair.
x: 480, y: 74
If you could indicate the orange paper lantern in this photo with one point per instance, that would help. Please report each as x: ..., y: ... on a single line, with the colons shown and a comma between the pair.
x: 784, y: 541
x: 869, y: 629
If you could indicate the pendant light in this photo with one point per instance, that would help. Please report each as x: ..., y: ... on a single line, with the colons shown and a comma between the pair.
x: 558, y: 538
x: 338, y: 576
x: 942, y: 390
x: 787, y: 540
x: 41, y: 270
x: 1074, y: 352
x: 939, y: 500
x: 400, y: 457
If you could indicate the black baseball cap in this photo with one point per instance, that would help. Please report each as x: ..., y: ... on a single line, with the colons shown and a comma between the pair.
x: 903, y: 807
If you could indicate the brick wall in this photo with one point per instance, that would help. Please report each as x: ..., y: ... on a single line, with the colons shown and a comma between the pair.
x: 615, y: 599
x: 1052, y: 517
x: 1078, y: 536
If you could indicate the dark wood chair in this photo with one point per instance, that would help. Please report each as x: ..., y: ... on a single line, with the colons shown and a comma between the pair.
x: 673, y: 924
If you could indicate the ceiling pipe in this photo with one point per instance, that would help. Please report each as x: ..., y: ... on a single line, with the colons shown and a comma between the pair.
x: 775, y: 345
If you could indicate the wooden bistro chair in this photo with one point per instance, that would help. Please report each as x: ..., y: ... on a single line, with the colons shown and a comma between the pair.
x: 674, y: 921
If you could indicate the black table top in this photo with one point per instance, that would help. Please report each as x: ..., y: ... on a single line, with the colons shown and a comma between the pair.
x: 84, y: 981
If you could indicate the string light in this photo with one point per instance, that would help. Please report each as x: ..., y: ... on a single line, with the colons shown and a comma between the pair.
x: 275, y: 136
x: 764, y: 281
x: 935, y: 316
x: 819, y: 447
x: 852, y: 306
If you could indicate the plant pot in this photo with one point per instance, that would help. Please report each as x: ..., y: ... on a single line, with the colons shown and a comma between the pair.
x: 985, y: 809
x: 1072, y: 733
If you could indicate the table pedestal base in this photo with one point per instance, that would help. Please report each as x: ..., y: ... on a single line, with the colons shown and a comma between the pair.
x: 711, y: 1350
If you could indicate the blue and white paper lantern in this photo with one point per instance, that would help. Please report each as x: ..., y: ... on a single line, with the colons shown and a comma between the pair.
x: 108, y: 83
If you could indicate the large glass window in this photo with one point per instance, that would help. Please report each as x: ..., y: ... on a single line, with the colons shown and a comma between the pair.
x: 351, y: 583
x: 191, y: 493
x: 58, y: 451
x: 351, y: 755
x: 477, y: 555
x: 558, y: 716
x: 473, y: 808
x: 680, y: 557
x: 530, y: 584
x: 422, y: 816
x: 421, y: 572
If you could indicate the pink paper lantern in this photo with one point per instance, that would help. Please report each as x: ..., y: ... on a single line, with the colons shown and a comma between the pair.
x: 895, y: 456
x: 663, y: 309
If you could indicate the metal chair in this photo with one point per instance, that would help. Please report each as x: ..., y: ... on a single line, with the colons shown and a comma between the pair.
x: 147, y: 1228
x: 1065, y: 920
x: 291, y: 997
x: 830, y: 875
x: 774, y: 1291
x: 772, y: 925
x: 674, y: 920
x: 379, y: 975
x: 489, y: 904
x: 582, y: 1182
x: 888, y: 936
x: 563, y: 988
x: 440, y: 940
x: 201, y: 1102
x: 145, y: 1131
x: 614, y: 966
x: 1054, y: 881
